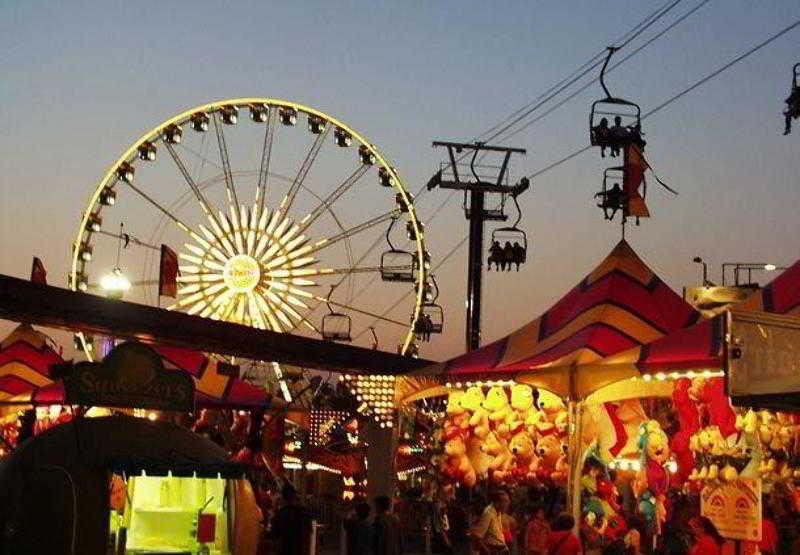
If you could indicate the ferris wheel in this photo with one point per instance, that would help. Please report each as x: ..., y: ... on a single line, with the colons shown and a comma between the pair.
x: 283, y: 222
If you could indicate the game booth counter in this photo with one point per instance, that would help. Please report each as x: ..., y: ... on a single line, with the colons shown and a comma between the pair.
x: 620, y: 395
x: 122, y: 484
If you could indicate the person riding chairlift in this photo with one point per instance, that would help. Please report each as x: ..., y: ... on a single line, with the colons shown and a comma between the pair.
x: 495, y: 255
x: 792, y: 109
x: 612, y: 199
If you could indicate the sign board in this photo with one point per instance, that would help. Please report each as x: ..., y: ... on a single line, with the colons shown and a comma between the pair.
x: 132, y: 375
x: 763, y: 358
x: 734, y: 508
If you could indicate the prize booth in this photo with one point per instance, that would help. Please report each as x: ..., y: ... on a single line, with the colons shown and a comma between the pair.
x: 618, y: 397
x: 119, y: 484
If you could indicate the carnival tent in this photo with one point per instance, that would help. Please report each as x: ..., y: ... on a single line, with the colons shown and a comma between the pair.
x: 212, y: 388
x: 699, y: 347
x: 25, y: 359
x: 619, y: 305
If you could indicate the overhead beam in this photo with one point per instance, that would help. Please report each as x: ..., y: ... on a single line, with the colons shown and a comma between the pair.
x: 53, y: 307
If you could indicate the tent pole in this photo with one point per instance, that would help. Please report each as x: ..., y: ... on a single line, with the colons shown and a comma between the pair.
x: 575, y: 409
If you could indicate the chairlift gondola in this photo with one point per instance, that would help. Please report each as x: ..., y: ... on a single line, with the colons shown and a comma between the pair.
x: 611, y: 198
x: 431, y: 315
x: 793, y: 101
x: 614, y: 122
x: 509, y: 246
x: 336, y: 326
x: 397, y: 264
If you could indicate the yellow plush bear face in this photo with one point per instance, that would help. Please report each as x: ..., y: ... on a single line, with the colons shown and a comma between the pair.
x: 550, y: 403
x: 521, y: 446
x: 657, y: 442
x: 549, y: 450
x: 472, y: 399
x: 521, y: 397
x: 454, y: 405
x: 496, y: 399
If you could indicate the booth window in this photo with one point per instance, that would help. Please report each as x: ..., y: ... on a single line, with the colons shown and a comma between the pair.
x: 169, y: 514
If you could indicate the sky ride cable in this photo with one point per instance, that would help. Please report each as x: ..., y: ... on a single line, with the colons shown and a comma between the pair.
x: 673, y: 98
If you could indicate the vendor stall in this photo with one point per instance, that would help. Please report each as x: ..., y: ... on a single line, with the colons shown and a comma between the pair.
x: 124, y: 485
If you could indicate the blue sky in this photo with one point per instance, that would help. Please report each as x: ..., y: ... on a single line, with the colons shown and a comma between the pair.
x: 81, y: 80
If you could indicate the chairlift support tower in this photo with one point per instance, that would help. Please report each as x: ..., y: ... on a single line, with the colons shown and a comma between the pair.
x: 477, y: 187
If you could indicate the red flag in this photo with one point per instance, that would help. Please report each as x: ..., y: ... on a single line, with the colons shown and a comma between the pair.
x: 168, y: 273
x: 38, y: 273
x: 635, y: 166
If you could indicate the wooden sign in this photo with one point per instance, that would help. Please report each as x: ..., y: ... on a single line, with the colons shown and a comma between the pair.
x: 734, y: 508
x: 132, y: 375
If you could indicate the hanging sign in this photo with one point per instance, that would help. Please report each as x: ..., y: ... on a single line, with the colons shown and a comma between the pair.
x: 734, y: 508
x: 763, y: 358
x: 132, y: 375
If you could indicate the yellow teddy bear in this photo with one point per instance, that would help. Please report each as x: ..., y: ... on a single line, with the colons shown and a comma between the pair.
x: 499, y: 409
x: 501, y: 457
x: 523, y: 410
x: 472, y: 400
x: 552, y: 408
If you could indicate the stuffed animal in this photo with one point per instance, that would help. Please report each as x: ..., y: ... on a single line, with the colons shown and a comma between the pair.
x: 458, y: 464
x: 548, y: 448
x: 561, y: 471
x: 501, y: 457
x: 653, y: 479
x: 522, y: 451
x: 499, y: 409
x: 719, y: 407
x: 689, y: 422
x: 551, y: 407
x: 472, y: 400
x: 457, y: 419
x: 522, y: 407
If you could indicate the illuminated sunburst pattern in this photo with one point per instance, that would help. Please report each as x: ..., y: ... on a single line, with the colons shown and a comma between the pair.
x: 271, y: 264
x: 250, y: 268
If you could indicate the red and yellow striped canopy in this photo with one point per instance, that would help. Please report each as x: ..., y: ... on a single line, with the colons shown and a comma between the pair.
x: 25, y: 359
x: 700, y: 346
x: 621, y: 304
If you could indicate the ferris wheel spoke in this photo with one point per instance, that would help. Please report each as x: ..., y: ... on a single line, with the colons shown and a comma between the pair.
x: 267, y: 310
x: 334, y: 196
x: 224, y: 156
x: 286, y: 203
x: 266, y: 155
x: 163, y: 210
x: 189, y: 181
x: 347, y: 233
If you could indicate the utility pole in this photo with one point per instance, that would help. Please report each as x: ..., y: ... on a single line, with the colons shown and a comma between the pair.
x: 475, y: 188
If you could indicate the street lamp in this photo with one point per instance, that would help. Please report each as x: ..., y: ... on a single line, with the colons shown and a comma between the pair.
x: 698, y: 260
x: 115, y: 284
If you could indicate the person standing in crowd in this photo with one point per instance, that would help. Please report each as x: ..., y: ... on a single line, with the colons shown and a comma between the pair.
x: 359, y: 531
x: 458, y: 518
x: 536, y: 532
x: 487, y: 534
x: 440, y: 525
x: 386, y: 536
x: 291, y: 526
x: 707, y: 540
x: 562, y: 540
x: 769, y: 532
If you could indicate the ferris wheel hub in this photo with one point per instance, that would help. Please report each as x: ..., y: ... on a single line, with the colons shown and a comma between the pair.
x: 242, y: 273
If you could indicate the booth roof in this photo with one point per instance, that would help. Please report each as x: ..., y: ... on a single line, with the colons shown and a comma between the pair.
x: 620, y: 304
x: 699, y: 347
x: 25, y: 360
x: 123, y: 443
x: 212, y: 389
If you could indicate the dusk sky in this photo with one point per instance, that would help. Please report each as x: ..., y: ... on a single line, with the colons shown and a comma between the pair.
x: 82, y: 80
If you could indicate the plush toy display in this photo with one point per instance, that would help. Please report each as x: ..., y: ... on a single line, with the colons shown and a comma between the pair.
x: 499, y: 410
x: 501, y: 457
x: 472, y: 400
x: 689, y: 422
x: 524, y: 413
x: 458, y: 465
x: 652, y: 480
